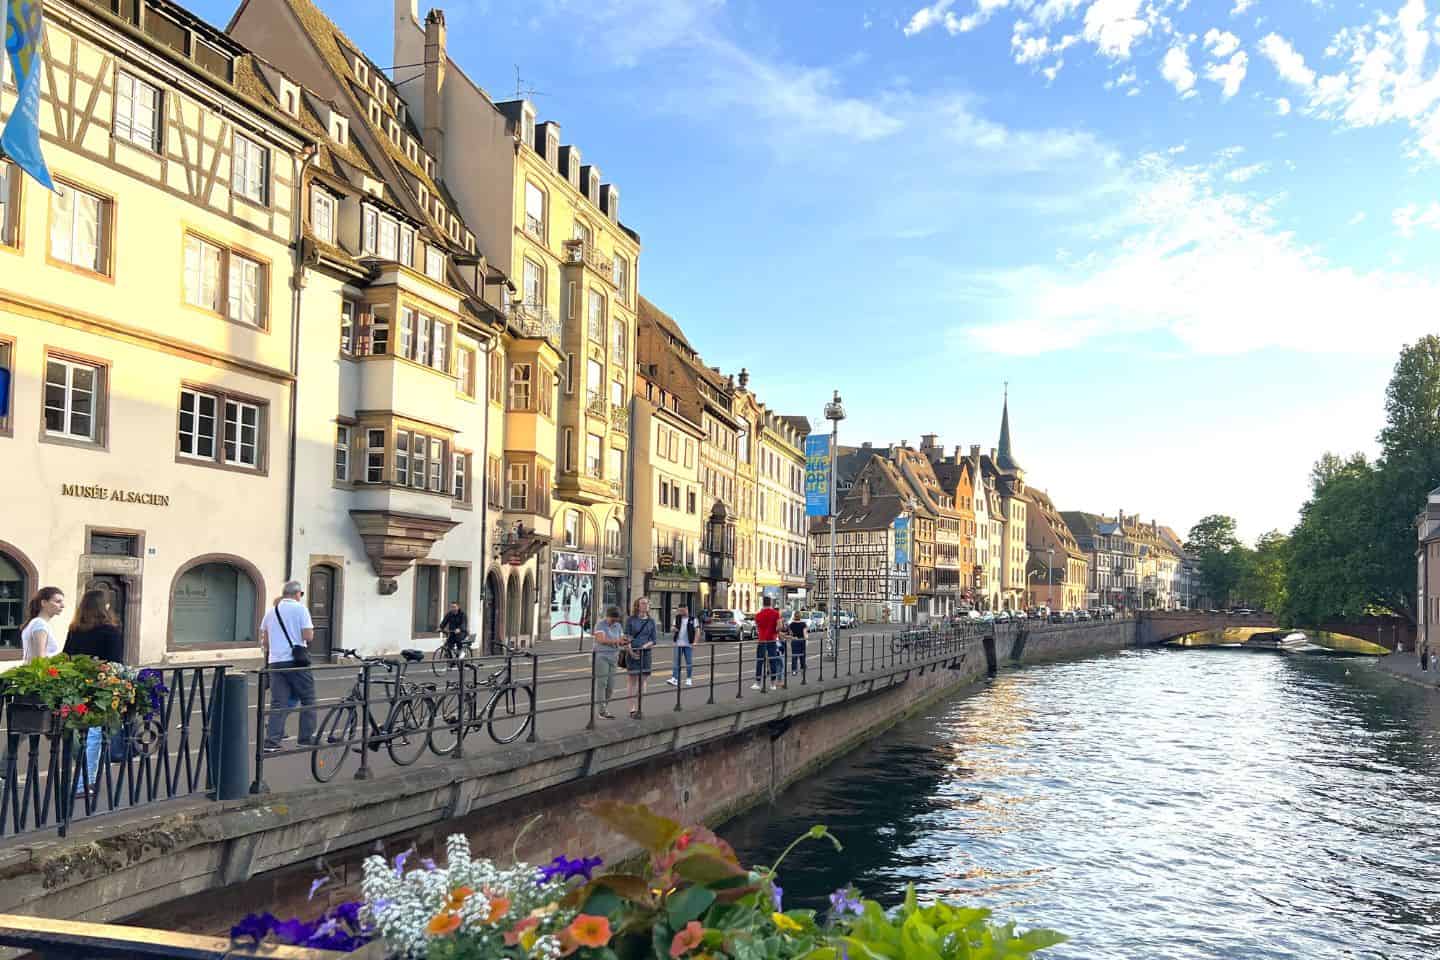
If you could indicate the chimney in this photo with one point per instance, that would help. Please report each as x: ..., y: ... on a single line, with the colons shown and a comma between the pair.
x: 744, y: 378
x: 865, y: 445
x: 992, y: 454
x: 435, y: 58
x: 865, y: 494
x: 927, y: 441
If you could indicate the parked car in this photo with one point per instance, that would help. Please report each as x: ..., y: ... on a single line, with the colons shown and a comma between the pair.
x: 1002, y: 616
x: 1070, y: 616
x: 1082, y: 615
x: 1018, y: 615
x: 748, y: 630
x: 844, y: 619
x: 1057, y: 616
x: 815, y: 620
x: 987, y: 617
x: 720, y: 624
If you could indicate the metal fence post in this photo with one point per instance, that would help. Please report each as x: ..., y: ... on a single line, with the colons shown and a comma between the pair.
x: 535, y: 695
x: 678, y: 681
x: 640, y: 685
x: 849, y: 655
x: 712, y: 674
x: 262, y: 688
x: 364, y: 772
x: 461, y: 703
x: 739, y: 668
x: 591, y: 724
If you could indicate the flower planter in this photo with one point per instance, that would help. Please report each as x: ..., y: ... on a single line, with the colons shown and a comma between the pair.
x: 28, y: 714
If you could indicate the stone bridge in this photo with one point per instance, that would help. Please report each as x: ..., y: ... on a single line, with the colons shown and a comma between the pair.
x: 1154, y: 627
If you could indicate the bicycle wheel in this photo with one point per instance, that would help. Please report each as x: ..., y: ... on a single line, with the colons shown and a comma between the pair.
x: 440, y: 660
x: 508, y: 713
x: 333, y: 741
x: 406, y: 731
x: 445, y: 724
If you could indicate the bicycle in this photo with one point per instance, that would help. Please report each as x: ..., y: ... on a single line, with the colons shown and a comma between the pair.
x: 456, y: 647
x: 506, y: 716
x: 411, y: 711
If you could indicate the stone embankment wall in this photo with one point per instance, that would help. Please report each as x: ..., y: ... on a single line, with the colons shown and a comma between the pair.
x: 696, y: 766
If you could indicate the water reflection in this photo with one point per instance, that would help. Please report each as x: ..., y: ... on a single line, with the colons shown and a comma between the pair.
x: 1159, y: 804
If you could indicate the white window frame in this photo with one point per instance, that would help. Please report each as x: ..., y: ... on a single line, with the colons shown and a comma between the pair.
x: 517, y: 481
x: 250, y: 170
x: 375, y: 454
x: 347, y: 326
x: 465, y: 370
x: 196, y: 434
x: 130, y: 123
x: 65, y: 225
x: 522, y: 385
x: 534, y: 222
x: 322, y: 213
x: 460, y: 476
x: 68, y: 412
x: 245, y: 290
x: 435, y: 263
x: 9, y: 202
x: 200, y: 256
x: 342, y: 453
x: 233, y: 450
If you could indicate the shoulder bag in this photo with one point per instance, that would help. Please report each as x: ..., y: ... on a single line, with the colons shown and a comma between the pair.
x: 300, y: 656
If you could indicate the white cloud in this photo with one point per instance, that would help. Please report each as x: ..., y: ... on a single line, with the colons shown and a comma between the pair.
x: 1175, y: 67
x: 927, y: 17
x: 1229, y: 74
x: 626, y: 30
x: 1210, y: 269
x: 1245, y: 173
x: 1126, y: 79
x: 1221, y: 43
x: 1356, y: 220
x: 1241, y: 6
x: 1288, y: 62
x: 1412, y: 217
x: 1114, y: 26
x: 1282, y: 106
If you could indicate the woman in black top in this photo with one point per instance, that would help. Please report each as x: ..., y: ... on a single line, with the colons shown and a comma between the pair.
x: 94, y: 631
x: 798, y: 633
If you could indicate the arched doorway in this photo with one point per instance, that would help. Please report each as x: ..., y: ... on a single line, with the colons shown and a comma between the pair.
x: 17, y: 582
x: 215, y: 602
x: 491, y: 625
x: 527, y: 608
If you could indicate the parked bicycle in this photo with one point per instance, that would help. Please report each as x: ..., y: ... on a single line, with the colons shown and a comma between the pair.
x: 506, y: 715
x: 456, y: 647
x: 410, y: 712
x: 919, y: 640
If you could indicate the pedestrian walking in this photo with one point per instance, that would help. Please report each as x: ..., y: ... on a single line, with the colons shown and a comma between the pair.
x: 767, y: 636
x: 640, y: 629
x: 1425, y: 655
x: 609, y: 638
x: 685, y: 632
x: 38, y: 638
x: 94, y: 633
x: 799, y: 631
x: 285, y: 636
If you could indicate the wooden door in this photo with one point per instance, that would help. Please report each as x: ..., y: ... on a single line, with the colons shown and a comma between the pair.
x: 115, y: 594
x: 321, y: 599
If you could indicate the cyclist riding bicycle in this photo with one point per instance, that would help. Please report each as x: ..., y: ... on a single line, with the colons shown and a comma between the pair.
x: 454, y: 626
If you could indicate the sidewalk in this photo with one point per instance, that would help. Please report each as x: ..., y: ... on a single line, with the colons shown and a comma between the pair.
x: 1406, y: 666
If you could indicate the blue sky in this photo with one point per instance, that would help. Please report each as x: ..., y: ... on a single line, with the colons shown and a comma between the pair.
x: 1191, y: 236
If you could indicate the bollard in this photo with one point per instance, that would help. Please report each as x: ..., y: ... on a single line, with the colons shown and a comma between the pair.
x: 712, y: 674
x: 593, y: 681
x: 678, y: 681
x: 535, y: 697
x: 229, y: 738
x: 739, y: 669
x: 258, y: 785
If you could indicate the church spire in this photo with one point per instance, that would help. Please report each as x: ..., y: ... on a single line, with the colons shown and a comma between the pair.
x: 1004, y: 458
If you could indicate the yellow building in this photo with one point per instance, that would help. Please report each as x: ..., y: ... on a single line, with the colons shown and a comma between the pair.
x: 780, y: 526
x: 746, y: 410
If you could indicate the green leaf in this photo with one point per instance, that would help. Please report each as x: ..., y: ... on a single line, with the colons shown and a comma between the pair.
x: 701, y: 867
x: 910, y: 905
x: 1041, y: 938
x: 601, y: 902
x: 628, y: 885
x: 688, y: 905
x: 635, y: 822
x: 918, y: 939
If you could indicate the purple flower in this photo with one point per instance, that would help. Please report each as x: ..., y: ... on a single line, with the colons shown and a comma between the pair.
x: 349, y: 913
x: 254, y: 928
x: 563, y: 868
x: 315, y: 885
x: 327, y: 928
x: 294, y: 931
x: 844, y: 901
x: 776, y: 892
x: 429, y: 865
x: 400, y: 859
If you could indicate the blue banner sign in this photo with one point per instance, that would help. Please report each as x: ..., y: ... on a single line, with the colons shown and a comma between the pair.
x: 24, y: 37
x: 817, y: 475
x: 902, y: 541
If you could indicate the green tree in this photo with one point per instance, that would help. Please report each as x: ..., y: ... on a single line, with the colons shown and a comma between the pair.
x: 1333, y: 563
x: 1214, y: 544
x: 1263, y: 581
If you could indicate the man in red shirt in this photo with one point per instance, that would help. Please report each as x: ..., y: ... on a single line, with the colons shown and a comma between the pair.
x: 767, y: 635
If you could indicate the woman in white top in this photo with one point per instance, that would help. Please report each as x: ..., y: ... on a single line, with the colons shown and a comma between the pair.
x: 39, y: 639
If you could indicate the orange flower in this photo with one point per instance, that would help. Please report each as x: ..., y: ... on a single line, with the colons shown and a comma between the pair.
x: 457, y: 898
x: 590, y: 931
x: 499, y: 906
x: 512, y: 936
x: 52, y: 671
x: 687, y: 939
x: 443, y: 923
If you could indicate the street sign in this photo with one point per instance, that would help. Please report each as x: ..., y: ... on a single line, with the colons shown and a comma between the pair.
x: 817, y: 475
x: 902, y: 541
x: 910, y: 600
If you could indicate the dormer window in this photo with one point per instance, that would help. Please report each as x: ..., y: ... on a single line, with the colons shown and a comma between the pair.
x: 380, y: 89
x: 362, y: 70
x: 435, y: 263
x: 527, y: 127
x: 470, y: 242
x: 372, y: 186
x: 392, y: 129
x: 289, y: 97
x: 423, y: 194
x: 592, y: 186
x: 339, y: 128
x: 411, y: 150
x: 377, y: 116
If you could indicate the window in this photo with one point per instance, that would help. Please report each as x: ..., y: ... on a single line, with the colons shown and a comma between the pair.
x: 621, y: 277
x: 495, y: 493
x: 7, y: 387
x: 617, y: 394
x: 322, y: 214
x: 572, y: 528
x: 460, y: 477
x: 9, y: 204
x: 72, y: 392
x: 198, y: 415
x: 618, y: 341
x: 242, y: 434
x: 435, y: 263
x: 213, y: 603
x: 202, y: 273
x: 534, y: 280
x: 79, y: 226
x: 597, y: 316
x: 567, y: 449
x: 380, y: 335
x: 374, y: 456
x: 465, y: 370
x: 690, y: 500
x: 342, y: 453
x: 389, y: 238
x: 593, y: 465
x: 407, y: 246
x: 427, y: 598
x: 518, y: 487
x: 250, y: 170
x: 457, y: 586
x: 542, y: 490
x: 614, y: 538
x: 594, y: 380
x: 582, y: 231
x: 440, y: 346
x: 617, y: 465
x: 495, y: 381
x: 347, y: 326
x: 137, y: 111
x: 534, y: 211
x: 545, y: 389
x: 246, y: 291
x: 520, y: 386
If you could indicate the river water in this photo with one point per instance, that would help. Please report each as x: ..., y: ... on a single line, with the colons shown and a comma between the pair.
x: 1150, y: 804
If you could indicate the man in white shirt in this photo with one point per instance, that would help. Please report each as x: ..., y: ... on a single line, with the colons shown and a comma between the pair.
x: 686, y: 630
x: 285, y: 636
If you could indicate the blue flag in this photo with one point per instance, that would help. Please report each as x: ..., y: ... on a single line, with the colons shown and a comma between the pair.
x: 24, y: 37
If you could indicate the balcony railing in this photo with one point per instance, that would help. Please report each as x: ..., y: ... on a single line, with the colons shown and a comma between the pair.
x: 579, y: 251
x: 535, y: 320
x: 619, y: 419
x: 535, y: 227
x: 597, y: 407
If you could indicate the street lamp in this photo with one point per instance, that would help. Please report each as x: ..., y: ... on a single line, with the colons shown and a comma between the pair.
x: 834, y: 412
x: 1049, y: 576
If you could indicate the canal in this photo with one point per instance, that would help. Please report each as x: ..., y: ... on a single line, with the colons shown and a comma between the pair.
x: 1151, y: 804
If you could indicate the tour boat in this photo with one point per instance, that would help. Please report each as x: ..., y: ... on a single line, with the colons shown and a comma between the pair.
x: 1291, y: 641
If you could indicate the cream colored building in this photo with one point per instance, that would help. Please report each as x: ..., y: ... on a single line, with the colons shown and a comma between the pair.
x: 147, y: 318
x: 549, y: 222
x: 781, y: 548
x: 667, y: 553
